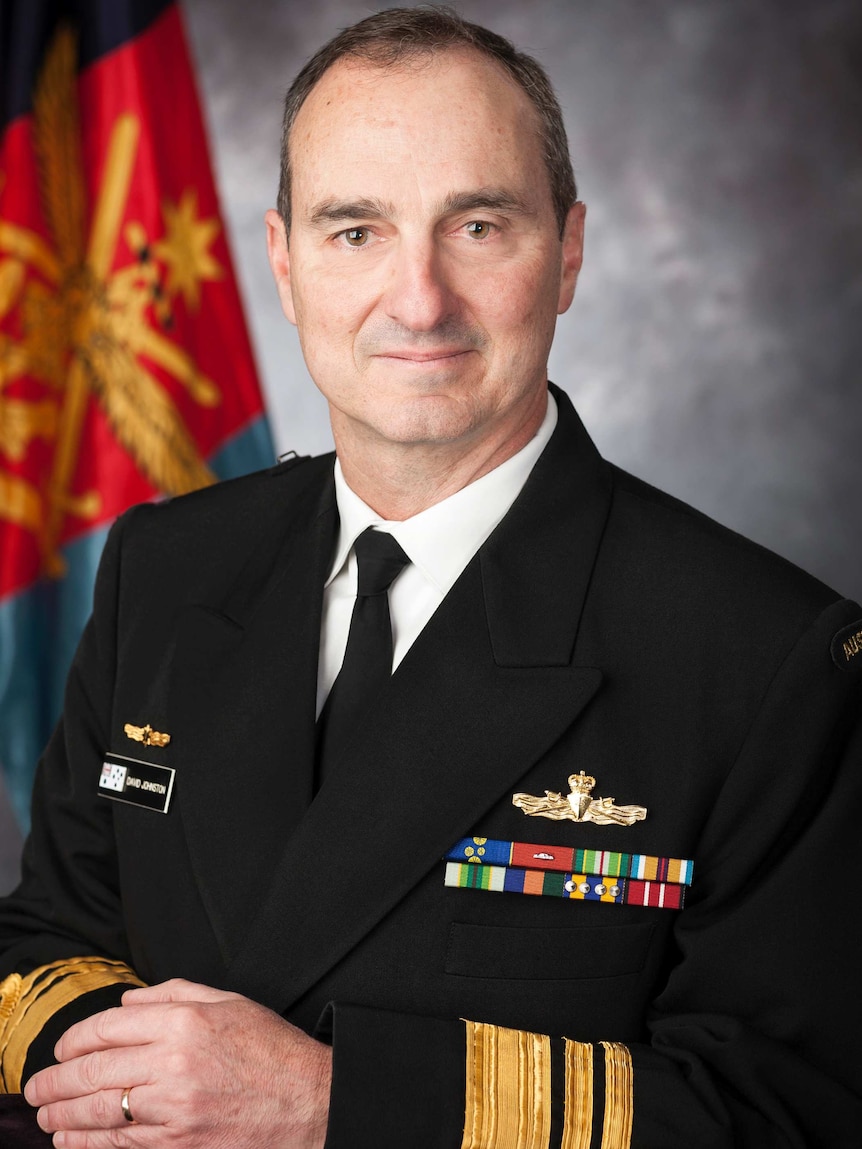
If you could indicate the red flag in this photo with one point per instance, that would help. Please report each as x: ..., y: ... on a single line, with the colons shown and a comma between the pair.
x: 125, y: 365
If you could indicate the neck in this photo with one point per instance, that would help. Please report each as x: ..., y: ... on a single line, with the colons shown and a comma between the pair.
x: 398, y: 480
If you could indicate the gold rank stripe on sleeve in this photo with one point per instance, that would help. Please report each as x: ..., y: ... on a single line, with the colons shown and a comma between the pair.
x: 508, y: 1099
x: 508, y: 1095
x: 28, y: 1003
x: 619, y: 1096
x: 578, y: 1100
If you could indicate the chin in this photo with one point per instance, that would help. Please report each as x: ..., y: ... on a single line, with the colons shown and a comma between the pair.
x: 430, y: 420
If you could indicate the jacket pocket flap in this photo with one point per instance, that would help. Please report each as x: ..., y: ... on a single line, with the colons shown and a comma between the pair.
x: 546, y: 954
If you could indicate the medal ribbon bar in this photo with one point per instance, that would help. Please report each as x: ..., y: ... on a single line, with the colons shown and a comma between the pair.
x: 569, y: 860
x: 577, y: 887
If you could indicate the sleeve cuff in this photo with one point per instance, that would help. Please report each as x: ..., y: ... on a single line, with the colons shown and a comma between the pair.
x: 397, y: 1077
x: 397, y: 1080
x: 513, y: 1094
x: 30, y: 1003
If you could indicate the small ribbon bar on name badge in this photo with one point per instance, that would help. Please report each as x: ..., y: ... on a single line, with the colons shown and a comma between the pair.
x: 567, y: 859
x: 576, y: 887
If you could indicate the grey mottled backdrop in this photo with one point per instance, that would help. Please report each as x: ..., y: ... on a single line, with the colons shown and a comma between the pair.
x: 715, y: 342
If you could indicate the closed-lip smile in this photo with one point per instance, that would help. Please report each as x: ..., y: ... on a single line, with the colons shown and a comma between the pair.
x: 424, y: 356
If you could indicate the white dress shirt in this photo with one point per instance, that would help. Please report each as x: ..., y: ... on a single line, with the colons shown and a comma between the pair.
x: 439, y: 542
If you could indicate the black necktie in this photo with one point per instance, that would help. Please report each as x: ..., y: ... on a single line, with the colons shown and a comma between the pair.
x: 367, y: 664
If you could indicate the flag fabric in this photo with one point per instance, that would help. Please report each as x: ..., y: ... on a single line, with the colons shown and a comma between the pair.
x: 126, y: 372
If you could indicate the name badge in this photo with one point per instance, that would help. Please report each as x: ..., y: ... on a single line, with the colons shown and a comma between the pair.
x: 137, y: 783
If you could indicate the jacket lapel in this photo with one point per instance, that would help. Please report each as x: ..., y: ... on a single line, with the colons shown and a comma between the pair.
x: 243, y: 696
x: 489, y: 686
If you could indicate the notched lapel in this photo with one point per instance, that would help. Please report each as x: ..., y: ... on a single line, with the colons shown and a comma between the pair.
x: 537, y: 565
x: 242, y: 703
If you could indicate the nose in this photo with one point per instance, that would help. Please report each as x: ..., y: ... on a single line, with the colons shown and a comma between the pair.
x: 418, y: 294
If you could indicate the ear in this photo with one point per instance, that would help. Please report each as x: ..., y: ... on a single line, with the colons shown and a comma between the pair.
x: 572, y: 255
x: 279, y: 261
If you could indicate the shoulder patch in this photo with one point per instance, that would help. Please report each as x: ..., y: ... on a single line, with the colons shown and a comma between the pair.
x: 846, y: 647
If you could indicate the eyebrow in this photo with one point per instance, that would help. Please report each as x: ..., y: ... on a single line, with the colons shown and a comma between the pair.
x: 487, y: 199
x: 336, y: 211
x: 482, y: 199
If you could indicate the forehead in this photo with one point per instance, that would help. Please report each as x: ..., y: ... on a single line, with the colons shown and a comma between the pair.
x: 454, y: 116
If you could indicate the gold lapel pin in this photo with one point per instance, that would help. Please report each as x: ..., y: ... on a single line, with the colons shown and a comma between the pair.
x: 146, y: 734
x: 579, y: 805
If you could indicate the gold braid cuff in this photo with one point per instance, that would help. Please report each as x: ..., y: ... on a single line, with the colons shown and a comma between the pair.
x: 28, y: 1003
x: 508, y: 1103
x: 508, y: 1098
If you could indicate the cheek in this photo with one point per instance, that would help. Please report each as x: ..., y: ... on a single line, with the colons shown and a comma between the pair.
x: 514, y: 298
x: 517, y: 321
x: 325, y: 316
x: 521, y: 322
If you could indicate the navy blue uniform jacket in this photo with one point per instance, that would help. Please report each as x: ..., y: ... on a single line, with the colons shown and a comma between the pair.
x: 604, y: 626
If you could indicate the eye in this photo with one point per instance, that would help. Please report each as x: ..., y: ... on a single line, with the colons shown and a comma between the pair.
x: 356, y: 236
x: 479, y: 228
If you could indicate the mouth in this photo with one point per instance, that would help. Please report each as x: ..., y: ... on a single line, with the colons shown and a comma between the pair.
x: 420, y: 358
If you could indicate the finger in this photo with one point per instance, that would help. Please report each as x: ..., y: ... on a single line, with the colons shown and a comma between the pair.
x: 86, y: 1075
x: 102, y: 1110
x: 134, y: 1137
x: 135, y: 1025
x: 177, y: 989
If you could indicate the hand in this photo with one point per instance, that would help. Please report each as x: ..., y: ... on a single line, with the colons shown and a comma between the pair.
x: 206, y: 1070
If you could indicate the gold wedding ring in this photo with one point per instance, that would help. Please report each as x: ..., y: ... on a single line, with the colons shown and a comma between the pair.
x: 126, y: 1108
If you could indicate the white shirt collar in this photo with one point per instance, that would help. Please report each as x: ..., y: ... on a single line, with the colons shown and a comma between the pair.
x: 442, y: 539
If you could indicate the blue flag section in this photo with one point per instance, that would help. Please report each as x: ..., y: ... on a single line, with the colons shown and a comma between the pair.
x: 126, y: 372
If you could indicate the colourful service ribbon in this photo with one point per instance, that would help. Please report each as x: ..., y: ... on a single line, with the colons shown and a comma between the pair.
x: 568, y: 860
x: 576, y: 886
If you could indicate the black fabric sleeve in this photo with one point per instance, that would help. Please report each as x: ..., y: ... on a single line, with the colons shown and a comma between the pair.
x: 397, y: 1080
x: 62, y: 940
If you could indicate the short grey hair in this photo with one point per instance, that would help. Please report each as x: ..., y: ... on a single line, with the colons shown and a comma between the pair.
x: 397, y: 36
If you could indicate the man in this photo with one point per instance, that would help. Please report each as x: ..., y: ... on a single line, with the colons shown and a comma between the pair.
x: 555, y: 619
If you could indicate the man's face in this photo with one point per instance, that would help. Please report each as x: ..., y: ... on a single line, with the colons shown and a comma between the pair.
x: 424, y: 268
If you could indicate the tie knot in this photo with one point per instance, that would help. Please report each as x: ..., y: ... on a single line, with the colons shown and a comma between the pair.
x: 380, y: 560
